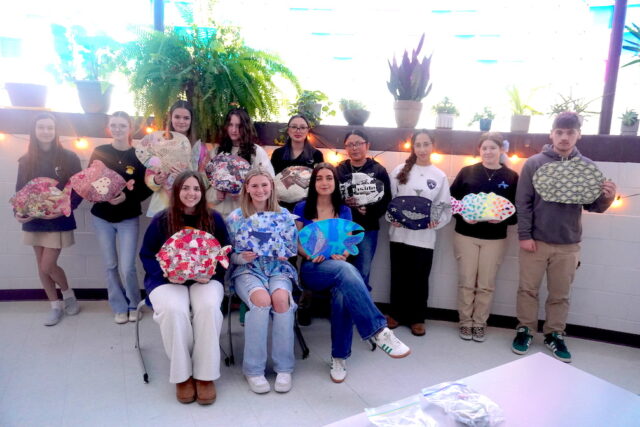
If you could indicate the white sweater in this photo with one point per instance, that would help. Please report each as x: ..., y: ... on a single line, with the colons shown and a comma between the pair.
x: 430, y: 182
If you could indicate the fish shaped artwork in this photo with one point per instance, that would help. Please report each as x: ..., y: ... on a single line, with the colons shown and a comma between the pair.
x: 331, y: 237
x: 272, y: 234
x: 226, y: 172
x: 292, y: 184
x: 98, y: 183
x: 41, y: 198
x: 412, y: 212
x: 364, y: 189
x: 162, y: 152
x: 574, y: 181
x: 191, y: 254
x: 483, y: 207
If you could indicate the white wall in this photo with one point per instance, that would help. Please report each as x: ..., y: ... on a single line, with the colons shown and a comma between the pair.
x: 606, y: 291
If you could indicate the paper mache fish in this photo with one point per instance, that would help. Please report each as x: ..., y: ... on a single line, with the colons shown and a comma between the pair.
x: 331, y: 237
x: 226, y: 172
x: 363, y: 188
x: 292, y: 184
x: 272, y: 234
x: 483, y: 207
x: 573, y: 181
x: 191, y: 254
x: 413, y: 212
x: 162, y: 152
x: 41, y: 198
x: 98, y: 183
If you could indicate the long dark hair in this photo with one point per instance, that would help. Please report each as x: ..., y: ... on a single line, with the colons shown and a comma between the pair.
x: 248, y: 135
x: 191, y: 133
x: 307, y: 150
x: 403, y: 176
x: 124, y: 115
x: 311, y: 206
x: 175, y: 212
x: 34, y: 152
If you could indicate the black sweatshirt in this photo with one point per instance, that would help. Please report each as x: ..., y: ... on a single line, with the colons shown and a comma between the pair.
x: 475, y: 179
x: 279, y: 164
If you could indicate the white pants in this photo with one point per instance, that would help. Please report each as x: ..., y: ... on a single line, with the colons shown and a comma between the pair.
x: 191, y: 345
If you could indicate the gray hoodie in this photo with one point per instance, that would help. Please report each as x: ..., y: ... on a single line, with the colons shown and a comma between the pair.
x: 550, y: 222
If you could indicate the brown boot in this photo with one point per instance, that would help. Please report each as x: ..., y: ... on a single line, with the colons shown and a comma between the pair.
x: 206, y: 392
x: 391, y: 322
x: 418, y: 329
x: 186, y: 391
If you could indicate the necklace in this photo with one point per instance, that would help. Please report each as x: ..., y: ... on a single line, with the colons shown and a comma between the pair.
x: 355, y: 169
x: 122, y: 155
x: 492, y: 173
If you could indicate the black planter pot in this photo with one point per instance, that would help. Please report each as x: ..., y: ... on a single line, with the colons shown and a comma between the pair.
x: 485, y: 125
x: 27, y: 94
x: 95, y: 96
x: 356, y: 117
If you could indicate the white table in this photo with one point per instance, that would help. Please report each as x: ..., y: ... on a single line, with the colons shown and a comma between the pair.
x: 540, y: 391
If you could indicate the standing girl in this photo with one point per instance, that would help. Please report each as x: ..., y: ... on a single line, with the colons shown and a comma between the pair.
x: 119, y: 218
x: 479, y: 246
x: 264, y: 283
x: 412, y: 250
x: 182, y: 120
x: 238, y: 137
x: 350, y: 300
x: 190, y: 336
x: 46, y: 158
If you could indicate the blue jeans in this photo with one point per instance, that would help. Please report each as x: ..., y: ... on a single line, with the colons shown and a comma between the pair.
x: 121, y: 298
x: 366, y: 252
x: 350, y: 302
x: 256, y: 327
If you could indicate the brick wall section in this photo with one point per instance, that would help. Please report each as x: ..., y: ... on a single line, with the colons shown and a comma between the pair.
x: 606, y: 290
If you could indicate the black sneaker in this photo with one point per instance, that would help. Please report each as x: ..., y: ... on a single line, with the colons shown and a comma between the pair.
x: 522, y: 341
x: 555, y: 342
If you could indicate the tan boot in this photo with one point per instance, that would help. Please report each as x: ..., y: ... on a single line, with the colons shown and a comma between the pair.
x: 206, y: 392
x: 418, y: 329
x: 186, y: 391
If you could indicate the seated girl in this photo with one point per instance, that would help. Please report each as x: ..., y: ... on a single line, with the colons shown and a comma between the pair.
x: 264, y: 283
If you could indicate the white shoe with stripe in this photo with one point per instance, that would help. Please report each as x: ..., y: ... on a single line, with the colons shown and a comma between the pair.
x: 390, y: 344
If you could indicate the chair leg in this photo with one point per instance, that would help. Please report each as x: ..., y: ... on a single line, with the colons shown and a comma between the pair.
x: 145, y: 375
x: 229, y: 359
x: 301, y: 341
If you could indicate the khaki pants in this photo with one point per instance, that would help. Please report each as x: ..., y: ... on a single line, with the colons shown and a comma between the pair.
x: 478, y: 263
x: 560, y: 263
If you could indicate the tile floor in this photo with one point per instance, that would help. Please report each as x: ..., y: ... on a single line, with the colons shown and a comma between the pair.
x: 85, y: 372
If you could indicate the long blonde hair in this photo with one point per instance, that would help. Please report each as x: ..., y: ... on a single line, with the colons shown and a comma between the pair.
x: 246, y: 204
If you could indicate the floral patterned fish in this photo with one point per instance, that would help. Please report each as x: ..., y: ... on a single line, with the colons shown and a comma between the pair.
x: 331, y: 237
x: 271, y: 234
x: 226, y: 172
x: 160, y: 151
x: 98, y: 183
x: 41, y: 198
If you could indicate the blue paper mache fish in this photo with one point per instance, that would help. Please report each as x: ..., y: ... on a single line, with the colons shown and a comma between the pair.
x: 267, y: 234
x: 331, y: 237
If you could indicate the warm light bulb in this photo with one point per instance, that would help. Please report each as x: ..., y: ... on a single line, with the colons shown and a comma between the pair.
x: 617, y: 202
x: 81, y: 144
x: 514, y: 158
x: 3, y: 136
x: 468, y: 161
x: 407, y: 145
x: 436, y: 157
x: 334, y: 158
x: 149, y: 129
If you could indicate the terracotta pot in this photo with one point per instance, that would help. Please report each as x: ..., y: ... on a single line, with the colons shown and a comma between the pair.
x: 356, y: 117
x: 444, y: 121
x: 520, y: 123
x: 27, y: 94
x: 407, y: 113
x: 95, y: 96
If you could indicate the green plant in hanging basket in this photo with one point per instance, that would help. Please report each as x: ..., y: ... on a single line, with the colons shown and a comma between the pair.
x: 210, y: 67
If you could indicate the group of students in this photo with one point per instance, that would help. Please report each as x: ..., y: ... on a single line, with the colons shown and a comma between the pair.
x: 190, y: 316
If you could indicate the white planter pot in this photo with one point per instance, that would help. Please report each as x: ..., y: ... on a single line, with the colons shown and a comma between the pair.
x: 520, y: 124
x: 444, y: 121
x: 407, y: 113
x: 629, y: 130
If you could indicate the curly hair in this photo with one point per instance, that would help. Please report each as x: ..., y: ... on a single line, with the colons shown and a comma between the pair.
x: 248, y: 135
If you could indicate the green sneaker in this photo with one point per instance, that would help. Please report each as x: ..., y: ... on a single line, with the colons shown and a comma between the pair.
x: 522, y: 341
x: 555, y: 342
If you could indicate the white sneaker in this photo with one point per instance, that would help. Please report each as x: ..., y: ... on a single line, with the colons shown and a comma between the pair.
x: 71, y: 306
x: 258, y: 384
x: 283, y: 382
x: 121, y: 318
x: 338, y: 369
x: 133, y: 317
x: 391, y: 345
x: 54, y: 317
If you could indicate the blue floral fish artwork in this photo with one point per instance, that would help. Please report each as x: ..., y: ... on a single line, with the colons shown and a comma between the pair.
x: 331, y: 237
x: 271, y: 234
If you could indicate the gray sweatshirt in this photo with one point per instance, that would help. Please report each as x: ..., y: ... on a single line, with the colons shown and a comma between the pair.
x: 550, y: 222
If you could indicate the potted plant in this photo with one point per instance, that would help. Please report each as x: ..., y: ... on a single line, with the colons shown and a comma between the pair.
x: 310, y: 104
x: 446, y: 112
x: 629, y: 123
x: 520, y: 120
x: 409, y: 84
x: 484, y: 119
x: 87, y: 61
x: 212, y: 69
x: 576, y: 105
x: 26, y: 94
x: 354, y: 112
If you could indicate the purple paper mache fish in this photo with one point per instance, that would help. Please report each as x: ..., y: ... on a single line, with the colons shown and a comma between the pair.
x: 331, y: 237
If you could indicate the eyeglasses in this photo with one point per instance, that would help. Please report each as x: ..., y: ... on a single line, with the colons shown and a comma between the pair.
x: 301, y: 128
x: 353, y: 145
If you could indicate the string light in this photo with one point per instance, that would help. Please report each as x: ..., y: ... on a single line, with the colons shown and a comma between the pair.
x: 514, y: 158
x: 407, y: 145
x: 149, y: 129
x: 81, y: 144
x: 436, y: 157
x: 334, y: 158
x: 469, y: 160
x: 3, y: 136
x: 617, y: 202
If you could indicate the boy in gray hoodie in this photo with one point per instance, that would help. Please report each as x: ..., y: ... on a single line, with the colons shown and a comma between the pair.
x: 550, y: 235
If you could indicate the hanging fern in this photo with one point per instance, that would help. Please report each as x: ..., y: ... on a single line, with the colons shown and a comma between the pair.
x: 211, y: 68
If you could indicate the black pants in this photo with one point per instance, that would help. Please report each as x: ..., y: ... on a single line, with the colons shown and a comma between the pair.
x: 410, y: 268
